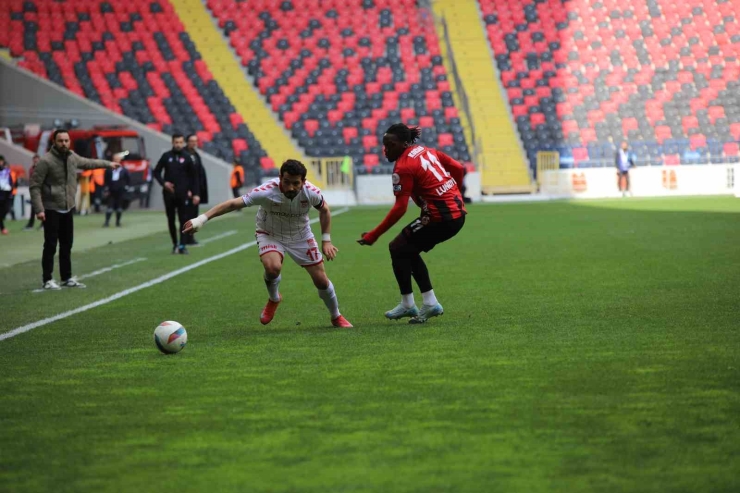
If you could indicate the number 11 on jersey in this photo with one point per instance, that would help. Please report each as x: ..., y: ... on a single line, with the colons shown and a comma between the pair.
x: 431, y: 166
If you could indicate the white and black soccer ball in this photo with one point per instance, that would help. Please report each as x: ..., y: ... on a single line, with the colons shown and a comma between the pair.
x: 170, y: 337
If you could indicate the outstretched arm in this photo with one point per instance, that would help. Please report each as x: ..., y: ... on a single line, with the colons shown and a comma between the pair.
x: 195, y: 224
x: 87, y: 163
x: 394, y: 215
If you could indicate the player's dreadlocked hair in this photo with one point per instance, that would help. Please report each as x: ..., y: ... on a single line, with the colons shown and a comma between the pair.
x: 404, y: 133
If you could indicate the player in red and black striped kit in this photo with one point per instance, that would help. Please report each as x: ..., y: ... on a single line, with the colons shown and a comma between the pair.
x: 430, y: 178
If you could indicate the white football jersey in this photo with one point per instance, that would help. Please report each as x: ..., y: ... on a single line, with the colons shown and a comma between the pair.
x: 280, y: 217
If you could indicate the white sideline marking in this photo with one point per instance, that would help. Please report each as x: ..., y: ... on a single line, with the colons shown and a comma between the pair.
x: 218, y: 237
x: 126, y: 292
x: 100, y: 271
x: 114, y: 266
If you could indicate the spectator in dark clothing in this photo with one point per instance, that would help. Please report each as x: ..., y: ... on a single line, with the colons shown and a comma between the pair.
x: 32, y: 219
x: 192, y: 147
x: 116, y: 184
x: 624, y: 160
x: 176, y: 173
x: 6, y: 192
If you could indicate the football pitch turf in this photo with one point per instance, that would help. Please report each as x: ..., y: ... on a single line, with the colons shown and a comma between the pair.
x: 585, y: 346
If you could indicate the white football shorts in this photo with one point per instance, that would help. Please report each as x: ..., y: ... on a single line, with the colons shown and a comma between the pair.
x: 304, y: 252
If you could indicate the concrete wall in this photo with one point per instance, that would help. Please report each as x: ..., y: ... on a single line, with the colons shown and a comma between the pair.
x: 15, y: 154
x: 27, y: 98
x: 645, y: 181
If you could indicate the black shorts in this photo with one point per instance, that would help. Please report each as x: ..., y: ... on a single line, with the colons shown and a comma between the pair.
x: 623, y: 173
x: 425, y: 235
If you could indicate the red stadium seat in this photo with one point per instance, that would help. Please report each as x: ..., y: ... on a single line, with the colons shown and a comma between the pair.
x: 137, y: 89
x: 291, y: 61
x: 590, y: 85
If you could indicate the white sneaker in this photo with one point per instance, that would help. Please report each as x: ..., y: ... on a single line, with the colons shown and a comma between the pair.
x: 72, y: 283
x: 427, y: 312
x: 401, y: 311
x: 51, y: 284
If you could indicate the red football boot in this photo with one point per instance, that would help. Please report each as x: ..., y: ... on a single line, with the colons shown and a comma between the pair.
x: 268, y: 312
x: 340, y: 321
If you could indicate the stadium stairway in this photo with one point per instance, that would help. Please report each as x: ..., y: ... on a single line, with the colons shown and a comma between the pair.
x: 227, y: 71
x: 503, y: 164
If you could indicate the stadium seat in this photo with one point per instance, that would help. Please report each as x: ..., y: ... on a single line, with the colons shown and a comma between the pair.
x: 609, y: 71
x: 133, y: 57
x: 326, y: 67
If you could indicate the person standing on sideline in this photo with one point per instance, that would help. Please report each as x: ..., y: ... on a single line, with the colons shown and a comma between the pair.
x: 116, y: 182
x: 192, y: 146
x: 32, y: 219
x: 6, y: 192
x: 176, y: 173
x: 53, y: 189
x: 237, y: 179
x: 624, y: 160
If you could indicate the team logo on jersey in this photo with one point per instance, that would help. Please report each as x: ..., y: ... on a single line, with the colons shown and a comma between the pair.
x: 304, y: 203
x: 424, y: 220
x: 396, y: 188
x: 182, y: 159
x: 395, y: 178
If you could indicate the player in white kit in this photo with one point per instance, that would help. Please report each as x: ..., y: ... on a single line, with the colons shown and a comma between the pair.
x: 283, y: 227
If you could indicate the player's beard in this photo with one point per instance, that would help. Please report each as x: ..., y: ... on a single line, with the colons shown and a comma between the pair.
x: 291, y: 195
x: 61, y: 150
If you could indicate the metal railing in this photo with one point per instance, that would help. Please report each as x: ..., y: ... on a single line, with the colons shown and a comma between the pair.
x: 546, y: 161
x: 336, y: 172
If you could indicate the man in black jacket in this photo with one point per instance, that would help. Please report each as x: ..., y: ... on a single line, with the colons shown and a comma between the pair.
x: 192, y: 147
x: 116, y: 183
x: 181, y: 187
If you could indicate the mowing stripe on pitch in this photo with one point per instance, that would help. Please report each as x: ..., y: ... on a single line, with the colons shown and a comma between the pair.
x: 218, y: 237
x: 126, y: 292
x: 100, y: 271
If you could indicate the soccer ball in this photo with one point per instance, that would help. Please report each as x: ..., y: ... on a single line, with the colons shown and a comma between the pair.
x: 170, y: 337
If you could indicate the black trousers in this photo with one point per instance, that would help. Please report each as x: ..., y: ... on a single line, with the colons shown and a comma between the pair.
x: 5, y: 203
x: 419, y: 236
x: 174, y: 205
x: 58, y: 227
x: 237, y: 192
x: 115, y: 201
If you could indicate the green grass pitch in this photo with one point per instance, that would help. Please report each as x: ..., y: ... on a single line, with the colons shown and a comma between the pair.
x: 585, y: 346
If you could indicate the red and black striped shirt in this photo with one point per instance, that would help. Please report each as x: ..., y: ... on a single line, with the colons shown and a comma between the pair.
x: 430, y: 177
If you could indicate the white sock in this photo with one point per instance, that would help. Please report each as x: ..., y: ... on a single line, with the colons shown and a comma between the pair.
x: 272, y: 288
x: 429, y: 298
x: 407, y: 300
x: 330, y: 300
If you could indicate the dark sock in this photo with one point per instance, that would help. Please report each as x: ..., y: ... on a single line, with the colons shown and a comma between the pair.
x: 402, y: 271
x: 421, y: 274
x: 107, y: 217
x: 118, y: 218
